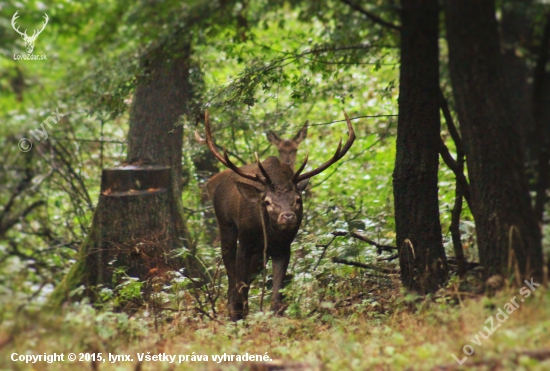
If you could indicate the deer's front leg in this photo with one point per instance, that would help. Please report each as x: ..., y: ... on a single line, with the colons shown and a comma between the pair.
x: 241, y: 281
x: 228, y: 236
x: 280, y: 265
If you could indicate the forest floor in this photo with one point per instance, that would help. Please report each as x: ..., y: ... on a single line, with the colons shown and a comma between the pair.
x: 400, y: 332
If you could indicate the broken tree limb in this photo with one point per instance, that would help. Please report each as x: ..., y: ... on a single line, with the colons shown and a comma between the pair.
x: 365, y: 239
x: 366, y: 266
x: 389, y: 258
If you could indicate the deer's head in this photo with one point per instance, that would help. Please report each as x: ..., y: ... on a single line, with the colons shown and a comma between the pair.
x: 288, y: 147
x: 29, y: 40
x: 276, y: 187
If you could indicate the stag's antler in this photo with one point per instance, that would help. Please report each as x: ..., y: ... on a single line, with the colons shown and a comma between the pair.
x: 24, y: 34
x: 36, y: 32
x: 340, y: 152
x: 13, y: 19
x: 225, y: 158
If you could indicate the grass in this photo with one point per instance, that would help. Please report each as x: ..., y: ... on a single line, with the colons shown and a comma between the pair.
x: 397, y: 332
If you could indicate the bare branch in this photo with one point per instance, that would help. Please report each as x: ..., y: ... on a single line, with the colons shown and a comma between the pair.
x: 325, y: 247
x: 366, y: 266
x: 459, y: 173
x: 462, y: 187
x: 371, y: 16
x: 444, y: 104
x: 455, y: 231
x: 389, y: 258
x: 365, y: 239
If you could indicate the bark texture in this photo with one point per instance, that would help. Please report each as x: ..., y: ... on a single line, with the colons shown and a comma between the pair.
x: 421, y: 256
x: 507, y: 234
x: 515, y: 38
x: 541, y: 112
x: 159, y: 102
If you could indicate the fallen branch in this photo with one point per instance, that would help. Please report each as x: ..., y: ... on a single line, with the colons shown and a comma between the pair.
x: 389, y: 258
x: 366, y: 239
x: 366, y: 266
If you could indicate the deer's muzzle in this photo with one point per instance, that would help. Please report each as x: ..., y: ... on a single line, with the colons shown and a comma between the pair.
x: 287, y: 220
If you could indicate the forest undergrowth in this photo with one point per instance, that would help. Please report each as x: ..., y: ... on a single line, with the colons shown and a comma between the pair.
x: 377, y: 326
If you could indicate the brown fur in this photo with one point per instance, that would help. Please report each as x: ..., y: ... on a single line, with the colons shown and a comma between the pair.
x: 239, y: 221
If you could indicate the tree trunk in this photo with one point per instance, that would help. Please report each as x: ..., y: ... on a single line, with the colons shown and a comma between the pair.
x: 421, y: 257
x: 139, y: 223
x: 490, y: 129
x: 516, y: 35
x: 154, y: 136
x: 541, y: 112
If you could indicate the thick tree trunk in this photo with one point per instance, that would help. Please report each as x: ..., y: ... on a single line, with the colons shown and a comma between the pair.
x: 134, y: 228
x: 139, y: 221
x: 155, y: 136
x: 159, y: 102
x: 490, y: 130
x: 516, y: 36
x: 422, y: 257
x: 541, y: 112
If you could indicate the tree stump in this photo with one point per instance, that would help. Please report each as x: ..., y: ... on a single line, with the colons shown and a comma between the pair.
x: 136, y: 227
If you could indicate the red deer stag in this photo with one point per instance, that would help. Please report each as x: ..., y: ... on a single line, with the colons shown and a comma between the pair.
x: 248, y: 200
x: 288, y: 147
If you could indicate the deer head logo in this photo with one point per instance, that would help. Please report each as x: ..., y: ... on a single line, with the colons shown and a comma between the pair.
x: 29, y: 40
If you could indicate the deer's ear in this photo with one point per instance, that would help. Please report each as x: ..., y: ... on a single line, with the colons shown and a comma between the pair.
x: 302, y: 134
x: 272, y: 137
x: 248, y: 191
x: 302, y: 185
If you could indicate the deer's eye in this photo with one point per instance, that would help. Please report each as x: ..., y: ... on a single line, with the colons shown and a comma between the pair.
x: 267, y: 203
